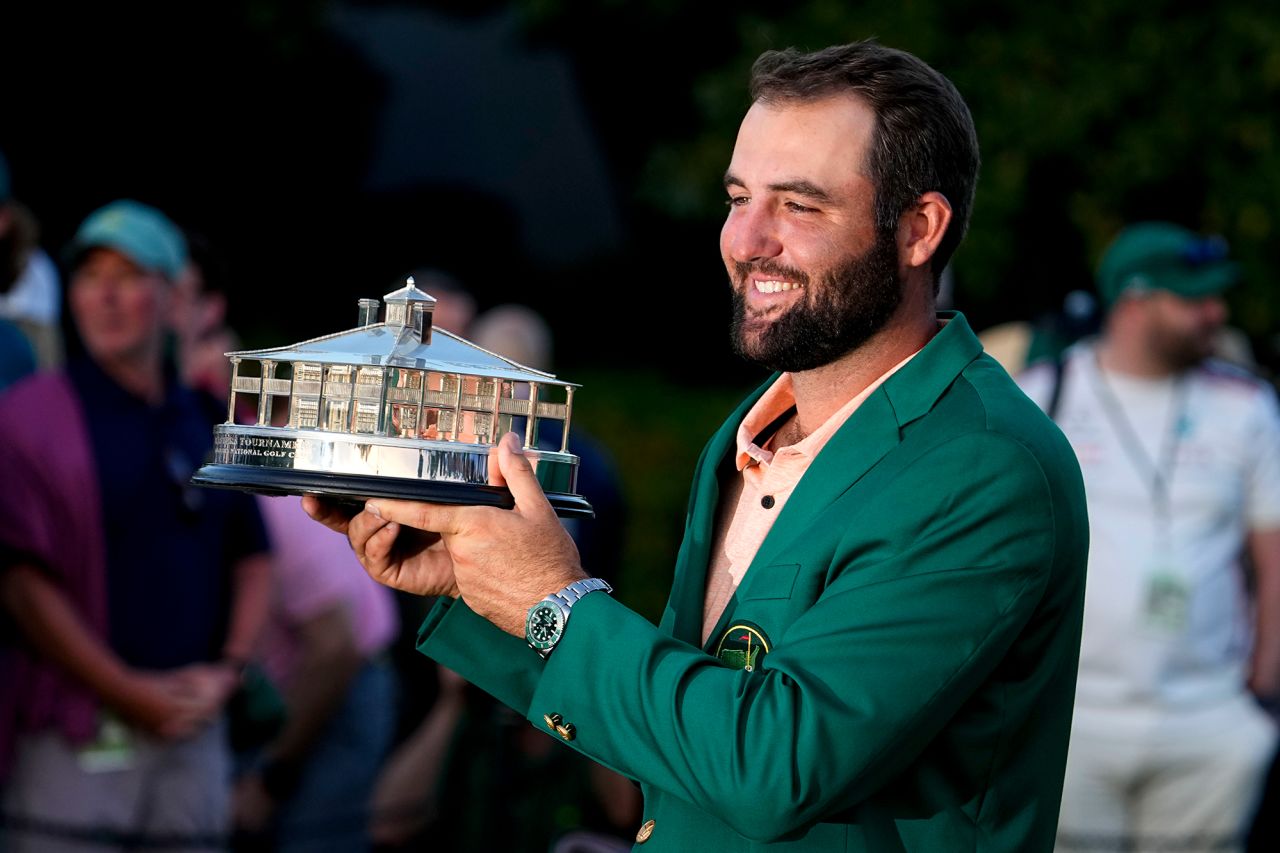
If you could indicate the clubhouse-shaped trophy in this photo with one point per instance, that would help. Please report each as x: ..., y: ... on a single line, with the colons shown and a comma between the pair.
x: 392, y: 408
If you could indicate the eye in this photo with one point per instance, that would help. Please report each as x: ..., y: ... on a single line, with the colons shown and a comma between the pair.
x: 797, y: 207
x: 737, y: 200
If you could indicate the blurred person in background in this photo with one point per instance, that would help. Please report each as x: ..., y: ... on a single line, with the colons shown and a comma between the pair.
x: 30, y: 293
x: 325, y: 641
x: 1181, y: 461
x: 201, y: 335
x: 136, y: 598
x: 521, y: 334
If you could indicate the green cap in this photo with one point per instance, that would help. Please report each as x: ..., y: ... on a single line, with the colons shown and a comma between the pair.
x: 141, y: 233
x: 1162, y: 256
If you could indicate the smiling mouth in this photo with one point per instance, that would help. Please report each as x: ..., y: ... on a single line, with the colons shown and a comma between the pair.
x: 774, y: 286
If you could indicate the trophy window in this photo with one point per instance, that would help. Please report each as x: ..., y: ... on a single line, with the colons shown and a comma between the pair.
x: 336, y: 415
x: 502, y: 409
x: 366, y: 418
x: 338, y: 374
x: 246, y: 388
x: 430, y: 427
x: 404, y: 420
x: 305, y: 371
x: 338, y: 389
x: 305, y: 412
x: 403, y: 402
x: 368, y: 399
x: 277, y: 381
x: 468, y: 431
x: 304, y: 402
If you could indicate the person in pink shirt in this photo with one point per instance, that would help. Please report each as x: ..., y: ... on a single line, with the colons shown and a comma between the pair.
x: 323, y: 646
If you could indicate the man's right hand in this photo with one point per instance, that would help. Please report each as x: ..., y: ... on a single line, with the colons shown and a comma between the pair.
x: 399, y: 557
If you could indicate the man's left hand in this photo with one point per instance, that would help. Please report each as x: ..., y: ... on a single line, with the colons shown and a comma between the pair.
x: 504, y: 561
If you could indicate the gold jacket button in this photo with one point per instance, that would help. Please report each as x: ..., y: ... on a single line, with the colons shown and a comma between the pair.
x: 568, y: 731
x: 645, y: 831
x: 552, y: 720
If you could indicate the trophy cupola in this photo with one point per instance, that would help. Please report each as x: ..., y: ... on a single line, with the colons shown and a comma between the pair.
x: 410, y: 309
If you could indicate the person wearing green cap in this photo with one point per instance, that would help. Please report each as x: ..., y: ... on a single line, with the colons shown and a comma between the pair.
x: 137, y: 597
x: 1181, y: 460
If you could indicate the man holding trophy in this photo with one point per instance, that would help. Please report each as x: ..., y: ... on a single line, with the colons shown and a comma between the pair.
x: 872, y: 637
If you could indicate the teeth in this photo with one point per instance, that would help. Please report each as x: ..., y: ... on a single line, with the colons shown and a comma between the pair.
x: 777, y: 286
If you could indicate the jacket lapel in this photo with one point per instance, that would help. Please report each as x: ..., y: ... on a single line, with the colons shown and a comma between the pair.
x: 871, y: 433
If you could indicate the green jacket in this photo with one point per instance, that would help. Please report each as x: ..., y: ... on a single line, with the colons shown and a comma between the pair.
x: 920, y: 597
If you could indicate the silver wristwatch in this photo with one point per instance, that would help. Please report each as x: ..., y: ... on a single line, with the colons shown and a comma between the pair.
x: 544, y: 624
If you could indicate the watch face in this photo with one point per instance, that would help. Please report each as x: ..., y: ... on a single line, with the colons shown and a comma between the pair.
x: 544, y: 626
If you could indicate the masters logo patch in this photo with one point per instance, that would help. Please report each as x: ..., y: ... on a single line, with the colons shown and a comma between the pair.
x: 743, y: 646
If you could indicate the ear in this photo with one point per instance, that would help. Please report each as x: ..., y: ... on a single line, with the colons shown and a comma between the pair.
x: 921, y: 228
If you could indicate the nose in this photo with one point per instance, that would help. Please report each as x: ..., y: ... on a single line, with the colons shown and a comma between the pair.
x: 750, y: 233
x: 104, y: 289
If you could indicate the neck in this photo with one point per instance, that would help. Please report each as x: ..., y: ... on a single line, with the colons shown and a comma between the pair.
x: 142, y: 377
x: 821, y: 392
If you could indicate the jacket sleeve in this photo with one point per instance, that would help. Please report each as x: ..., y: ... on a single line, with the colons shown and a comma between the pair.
x: 914, y: 616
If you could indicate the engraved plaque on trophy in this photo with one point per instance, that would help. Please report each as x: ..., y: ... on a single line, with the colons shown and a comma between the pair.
x: 392, y: 408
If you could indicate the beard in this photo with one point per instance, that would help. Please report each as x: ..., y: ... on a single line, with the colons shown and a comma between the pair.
x: 1182, y: 350
x: 850, y: 304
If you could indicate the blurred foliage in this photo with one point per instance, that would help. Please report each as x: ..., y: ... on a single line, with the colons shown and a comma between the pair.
x: 1090, y: 115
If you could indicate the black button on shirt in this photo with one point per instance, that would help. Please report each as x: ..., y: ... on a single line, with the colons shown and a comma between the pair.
x: 767, y: 502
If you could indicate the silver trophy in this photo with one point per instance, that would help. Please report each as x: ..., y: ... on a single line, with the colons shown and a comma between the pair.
x: 392, y: 408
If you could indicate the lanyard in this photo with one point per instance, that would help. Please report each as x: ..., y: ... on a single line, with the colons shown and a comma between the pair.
x: 1159, y: 471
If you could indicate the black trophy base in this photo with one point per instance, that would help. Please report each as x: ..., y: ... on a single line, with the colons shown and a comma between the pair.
x: 354, y: 489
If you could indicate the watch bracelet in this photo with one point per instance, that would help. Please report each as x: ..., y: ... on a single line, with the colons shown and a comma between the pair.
x: 579, y: 589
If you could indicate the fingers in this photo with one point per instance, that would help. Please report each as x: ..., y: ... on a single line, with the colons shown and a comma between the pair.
x: 518, y: 476
x: 372, y: 538
x: 435, y: 518
x: 327, y: 513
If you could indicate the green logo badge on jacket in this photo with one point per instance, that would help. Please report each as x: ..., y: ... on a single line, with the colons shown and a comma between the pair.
x: 743, y: 646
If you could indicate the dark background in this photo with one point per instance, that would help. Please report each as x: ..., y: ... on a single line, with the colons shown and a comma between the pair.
x: 554, y: 152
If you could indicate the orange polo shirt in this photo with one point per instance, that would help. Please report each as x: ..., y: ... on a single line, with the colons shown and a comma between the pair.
x: 751, y: 502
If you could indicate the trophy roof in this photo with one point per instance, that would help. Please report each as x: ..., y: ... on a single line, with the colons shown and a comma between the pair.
x: 409, y: 293
x: 391, y: 346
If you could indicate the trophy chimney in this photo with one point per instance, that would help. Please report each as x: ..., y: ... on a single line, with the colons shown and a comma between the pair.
x: 410, y: 309
x: 368, y: 312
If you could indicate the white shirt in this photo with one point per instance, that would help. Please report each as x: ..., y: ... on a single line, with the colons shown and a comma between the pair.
x: 1167, y: 621
x: 36, y: 295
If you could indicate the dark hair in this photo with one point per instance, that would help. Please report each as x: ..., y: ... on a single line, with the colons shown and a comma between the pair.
x: 924, y: 138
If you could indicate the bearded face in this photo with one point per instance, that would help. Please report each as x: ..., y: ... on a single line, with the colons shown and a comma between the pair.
x: 843, y: 306
x: 1182, y: 331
